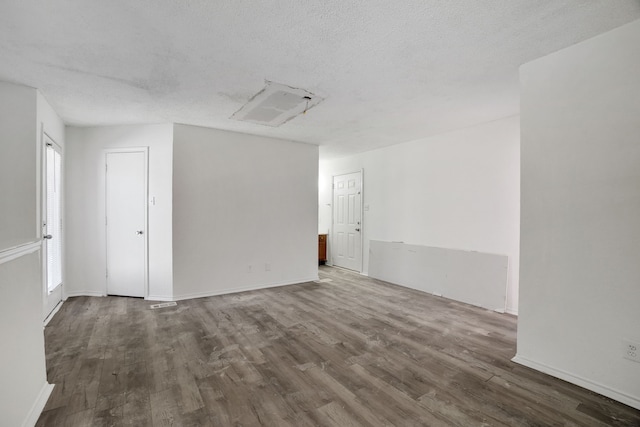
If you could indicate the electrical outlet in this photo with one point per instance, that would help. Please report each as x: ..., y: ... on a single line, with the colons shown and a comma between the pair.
x: 631, y: 350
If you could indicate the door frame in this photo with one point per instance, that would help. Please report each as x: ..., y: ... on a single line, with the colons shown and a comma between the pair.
x: 145, y: 151
x: 330, y: 249
x: 47, y: 140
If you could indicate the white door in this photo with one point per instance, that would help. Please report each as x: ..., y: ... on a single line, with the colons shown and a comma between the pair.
x: 346, y: 251
x: 52, y: 226
x: 126, y: 222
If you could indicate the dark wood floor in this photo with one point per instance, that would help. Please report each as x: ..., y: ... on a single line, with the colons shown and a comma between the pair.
x: 350, y: 352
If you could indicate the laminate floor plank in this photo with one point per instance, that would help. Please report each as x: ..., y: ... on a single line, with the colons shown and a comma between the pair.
x: 85, y: 389
x: 352, y: 351
x: 345, y: 395
x: 333, y: 414
x: 232, y: 404
x: 52, y: 418
x: 109, y: 417
x: 164, y: 408
x: 83, y: 418
x: 398, y: 400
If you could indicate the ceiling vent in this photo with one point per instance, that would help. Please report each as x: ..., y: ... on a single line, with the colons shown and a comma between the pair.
x: 276, y: 104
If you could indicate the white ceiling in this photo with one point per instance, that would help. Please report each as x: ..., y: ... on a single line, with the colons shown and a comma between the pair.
x: 390, y: 71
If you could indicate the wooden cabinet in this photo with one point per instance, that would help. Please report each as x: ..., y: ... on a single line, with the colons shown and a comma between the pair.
x: 322, y: 248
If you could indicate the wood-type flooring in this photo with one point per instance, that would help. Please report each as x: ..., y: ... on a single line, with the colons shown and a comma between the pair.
x: 352, y: 351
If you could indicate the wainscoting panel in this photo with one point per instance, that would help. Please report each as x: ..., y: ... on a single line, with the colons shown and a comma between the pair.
x: 475, y: 278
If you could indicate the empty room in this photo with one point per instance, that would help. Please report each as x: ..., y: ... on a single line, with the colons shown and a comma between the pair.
x: 340, y: 213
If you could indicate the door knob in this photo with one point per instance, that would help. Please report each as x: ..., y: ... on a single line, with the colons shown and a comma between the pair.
x: 357, y: 229
x: 47, y: 236
x: 139, y: 232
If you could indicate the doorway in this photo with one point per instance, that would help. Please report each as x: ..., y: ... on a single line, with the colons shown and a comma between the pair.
x: 126, y: 221
x: 52, y: 225
x: 347, y: 221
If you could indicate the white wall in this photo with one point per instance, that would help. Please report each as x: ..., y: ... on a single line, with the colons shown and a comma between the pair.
x: 241, y: 202
x: 580, y: 265
x: 23, y: 374
x: 49, y: 121
x: 471, y: 277
x: 19, y: 205
x: 84, y: 205
x: 459, y: 190
x: 24, y: 389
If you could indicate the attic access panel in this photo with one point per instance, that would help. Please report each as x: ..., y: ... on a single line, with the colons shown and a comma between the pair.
x: 276, y: 104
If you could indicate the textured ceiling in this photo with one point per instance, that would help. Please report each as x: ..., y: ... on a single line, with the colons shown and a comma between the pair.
x: 389, y: 71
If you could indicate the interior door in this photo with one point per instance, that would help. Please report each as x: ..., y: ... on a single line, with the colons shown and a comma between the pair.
x: 346, y: 251
x: 126, y: 222
x: 52, y: 226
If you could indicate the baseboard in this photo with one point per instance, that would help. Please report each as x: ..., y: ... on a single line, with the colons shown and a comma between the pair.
x: 85, y: 294
x: 205, y: 294
x: 38, y: 405
x: 511, y: 311
x: 159, y: 298
x: 53, y: 313
x: 622, y: 397
x: 242, y: 289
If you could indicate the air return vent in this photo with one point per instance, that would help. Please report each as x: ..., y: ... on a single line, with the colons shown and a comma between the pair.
x: 163, y: 305
x: 276, y: 104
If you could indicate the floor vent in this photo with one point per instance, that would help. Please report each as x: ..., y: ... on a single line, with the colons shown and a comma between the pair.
x: 163, y: 305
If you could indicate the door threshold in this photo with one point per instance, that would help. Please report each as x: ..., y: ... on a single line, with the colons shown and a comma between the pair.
x: 346, y: 269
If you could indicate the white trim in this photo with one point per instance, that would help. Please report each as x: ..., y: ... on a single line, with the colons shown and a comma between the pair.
x: 361, y: 221
x: 86, y: 294
x: 204, y: 294
x: 53, y: 312
x: 604, y: 390
x: 145, y: 151
x: 38, y: 405
x: 13, y: 253
x: 40, y: 157
x: 511, y: 311
x: 159, y: 298
x: 330, y: 236
x: 46, y: 141
x: 243, y: 289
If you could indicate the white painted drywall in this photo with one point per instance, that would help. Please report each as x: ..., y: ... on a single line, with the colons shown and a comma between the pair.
x: 19, y: 204
x: 580, y: 265
x: 23, y: 370
x: 84, y: 205
x: 241, y: 202
x: 49, y: 121
x: 459, y: 190
x: 23, y: 379
x: 472, y: 277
